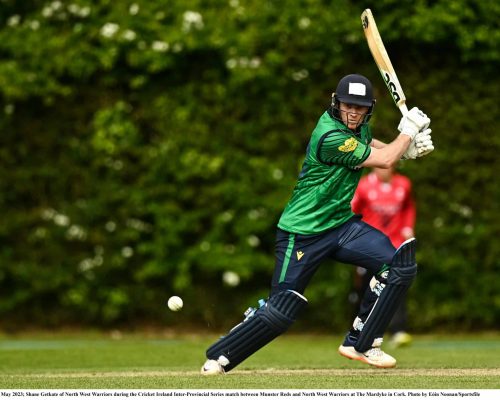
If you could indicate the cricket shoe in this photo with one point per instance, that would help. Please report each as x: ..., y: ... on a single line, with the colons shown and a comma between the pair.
x: 373, y: 356
x: 214, y: 367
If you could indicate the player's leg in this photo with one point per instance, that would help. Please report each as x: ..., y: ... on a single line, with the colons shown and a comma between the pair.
x: 393, y: 273
x: 398, y: 327
x: 297, y: 258
x: 361, y: 279
x: 399, y: 320
x: 373, y: 250
x: 269, y: 321
x: 403, y: 269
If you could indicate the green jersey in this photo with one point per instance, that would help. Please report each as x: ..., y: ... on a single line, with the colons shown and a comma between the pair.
x: 321, y: 199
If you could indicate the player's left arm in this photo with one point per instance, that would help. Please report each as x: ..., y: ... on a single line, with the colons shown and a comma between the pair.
x: 389, y: 155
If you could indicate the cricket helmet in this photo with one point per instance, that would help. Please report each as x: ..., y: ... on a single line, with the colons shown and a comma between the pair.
x: 355, y: 89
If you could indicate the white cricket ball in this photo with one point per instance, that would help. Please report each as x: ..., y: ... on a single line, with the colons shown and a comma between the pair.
x: 175, y: 303
x: 231, y: 278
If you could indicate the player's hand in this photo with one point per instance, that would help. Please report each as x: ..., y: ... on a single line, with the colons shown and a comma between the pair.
x: 413, y: 122
x: 420, y: 146
x: 411, y: 152
x: 423, y: 142
x: 419, y: 118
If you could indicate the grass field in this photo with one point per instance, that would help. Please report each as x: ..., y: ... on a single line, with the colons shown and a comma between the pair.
x: 156, y: 361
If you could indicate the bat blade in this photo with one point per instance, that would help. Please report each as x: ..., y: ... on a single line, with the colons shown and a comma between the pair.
x: 382, y: 60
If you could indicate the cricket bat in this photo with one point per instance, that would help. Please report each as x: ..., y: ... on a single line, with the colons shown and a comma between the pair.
x: 382, y: 60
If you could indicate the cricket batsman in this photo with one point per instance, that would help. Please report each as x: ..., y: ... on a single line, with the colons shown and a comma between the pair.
x: 318, y: 223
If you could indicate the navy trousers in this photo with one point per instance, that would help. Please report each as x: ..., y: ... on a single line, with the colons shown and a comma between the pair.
x: 355, y: 242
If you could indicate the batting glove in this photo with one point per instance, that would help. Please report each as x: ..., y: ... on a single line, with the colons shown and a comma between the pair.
x: 411, y: 152
x: 413, y: 122
x: 419, y: 147
x: 423, y: 142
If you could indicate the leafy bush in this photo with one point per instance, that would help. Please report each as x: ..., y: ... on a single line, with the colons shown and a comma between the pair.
x: 148, y: 147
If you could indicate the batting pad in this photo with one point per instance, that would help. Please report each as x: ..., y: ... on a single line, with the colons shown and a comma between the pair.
x: 401, y: 275
x: 268, y: 322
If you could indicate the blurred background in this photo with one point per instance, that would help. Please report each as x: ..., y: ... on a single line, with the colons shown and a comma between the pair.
x: 147, y: 149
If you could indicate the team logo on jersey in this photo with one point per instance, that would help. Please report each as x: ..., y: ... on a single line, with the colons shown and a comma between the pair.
x: 349, y: 145
x: 299, y: 255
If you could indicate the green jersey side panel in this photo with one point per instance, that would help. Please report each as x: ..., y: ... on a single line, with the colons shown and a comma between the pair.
x: 321, y: 199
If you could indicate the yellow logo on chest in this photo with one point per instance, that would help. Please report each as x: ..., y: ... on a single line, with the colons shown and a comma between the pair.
x: 349, y: 145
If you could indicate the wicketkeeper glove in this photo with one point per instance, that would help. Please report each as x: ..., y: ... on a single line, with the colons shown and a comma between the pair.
x: 413, y: 122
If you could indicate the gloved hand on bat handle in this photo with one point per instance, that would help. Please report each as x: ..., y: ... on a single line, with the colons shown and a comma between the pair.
x: 420, y: 146
x: 413, y: 122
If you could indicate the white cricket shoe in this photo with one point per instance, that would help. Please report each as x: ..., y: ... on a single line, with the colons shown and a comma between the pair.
x: 212, y: 367
x: 374, y: 356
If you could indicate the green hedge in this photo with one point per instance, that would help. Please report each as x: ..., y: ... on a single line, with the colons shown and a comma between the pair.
x: 147, y: 147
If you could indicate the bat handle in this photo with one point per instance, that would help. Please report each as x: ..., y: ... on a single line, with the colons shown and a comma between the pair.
x: 403, y: 108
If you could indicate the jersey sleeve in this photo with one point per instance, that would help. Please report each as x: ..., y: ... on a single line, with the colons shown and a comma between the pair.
x: 339, y: 148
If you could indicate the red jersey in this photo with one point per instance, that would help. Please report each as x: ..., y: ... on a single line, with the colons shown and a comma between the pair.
x: 387, y: 206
